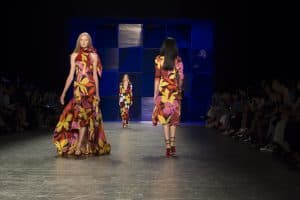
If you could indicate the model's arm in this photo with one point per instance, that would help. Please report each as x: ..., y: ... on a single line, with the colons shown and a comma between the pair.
x: 157, y: 77
x: 156, y: 84
x: 95, y: 76
x: 131, y: 95
x: 181, y: 75
x: 99, y: 67
x: 120, y: 94
x: 69, y: 79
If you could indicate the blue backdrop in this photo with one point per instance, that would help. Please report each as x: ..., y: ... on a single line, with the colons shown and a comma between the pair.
x: 130, y: 46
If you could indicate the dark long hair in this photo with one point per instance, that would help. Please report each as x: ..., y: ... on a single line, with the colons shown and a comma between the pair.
x: 170, y: 51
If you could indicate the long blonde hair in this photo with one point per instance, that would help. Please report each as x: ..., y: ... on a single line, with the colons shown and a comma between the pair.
x: 90, y: 43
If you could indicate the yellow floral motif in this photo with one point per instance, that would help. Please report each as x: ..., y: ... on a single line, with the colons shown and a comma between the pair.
x: 101, y: 143
x: 60, y: 145
x: 98, y: 117
x: 64, y: 123
x: 172, y: 76
x: 106, y: 148
x: 81, y: 86
x: 165, y: 96
x: 159, y: 61
x: 163, y: 83
x: 96, y: 103
x: 163, y: 120
x: 83, y: 58
x: 91, y: 130
x: 83, y: 113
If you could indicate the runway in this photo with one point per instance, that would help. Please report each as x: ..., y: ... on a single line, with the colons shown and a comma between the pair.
x: 209, y: 167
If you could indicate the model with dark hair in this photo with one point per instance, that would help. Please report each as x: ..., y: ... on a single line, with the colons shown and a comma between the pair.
x: 168, y: 92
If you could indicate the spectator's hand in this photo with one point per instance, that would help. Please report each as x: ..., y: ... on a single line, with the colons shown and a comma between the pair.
x: 11, y: 107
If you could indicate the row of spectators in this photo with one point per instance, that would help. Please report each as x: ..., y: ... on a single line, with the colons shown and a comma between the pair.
x: 26, y: 106
x: 266, y: 117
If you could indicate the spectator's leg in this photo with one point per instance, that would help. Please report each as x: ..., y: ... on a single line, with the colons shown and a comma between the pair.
x: 279, y: 135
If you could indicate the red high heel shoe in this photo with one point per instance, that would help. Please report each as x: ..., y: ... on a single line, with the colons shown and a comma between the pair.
x: 173, y: 148
x: 168, y: 152
x: 173, y: 151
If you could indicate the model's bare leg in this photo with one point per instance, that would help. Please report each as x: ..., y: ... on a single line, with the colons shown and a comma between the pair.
x: 167, y: 139
x: 172, y: 139
x: 82, y: 131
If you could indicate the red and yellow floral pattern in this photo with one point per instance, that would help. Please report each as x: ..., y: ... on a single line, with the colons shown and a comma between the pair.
x: 82, y: 111
x: 168, y: 102
x: 125, y: 101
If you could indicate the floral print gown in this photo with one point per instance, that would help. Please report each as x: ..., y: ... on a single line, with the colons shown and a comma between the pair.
x: 82, y: 111
x: 125, y: 101
x: 167, y: 106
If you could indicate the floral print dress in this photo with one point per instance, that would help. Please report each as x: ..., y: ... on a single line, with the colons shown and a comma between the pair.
x: 167, y: 106
x: 82, y: 111
x: 125, y: 101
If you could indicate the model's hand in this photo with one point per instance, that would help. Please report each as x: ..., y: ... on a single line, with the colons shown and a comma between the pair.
x: 180, y: 94
x: 62, y: 99
x: 98, y: 97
